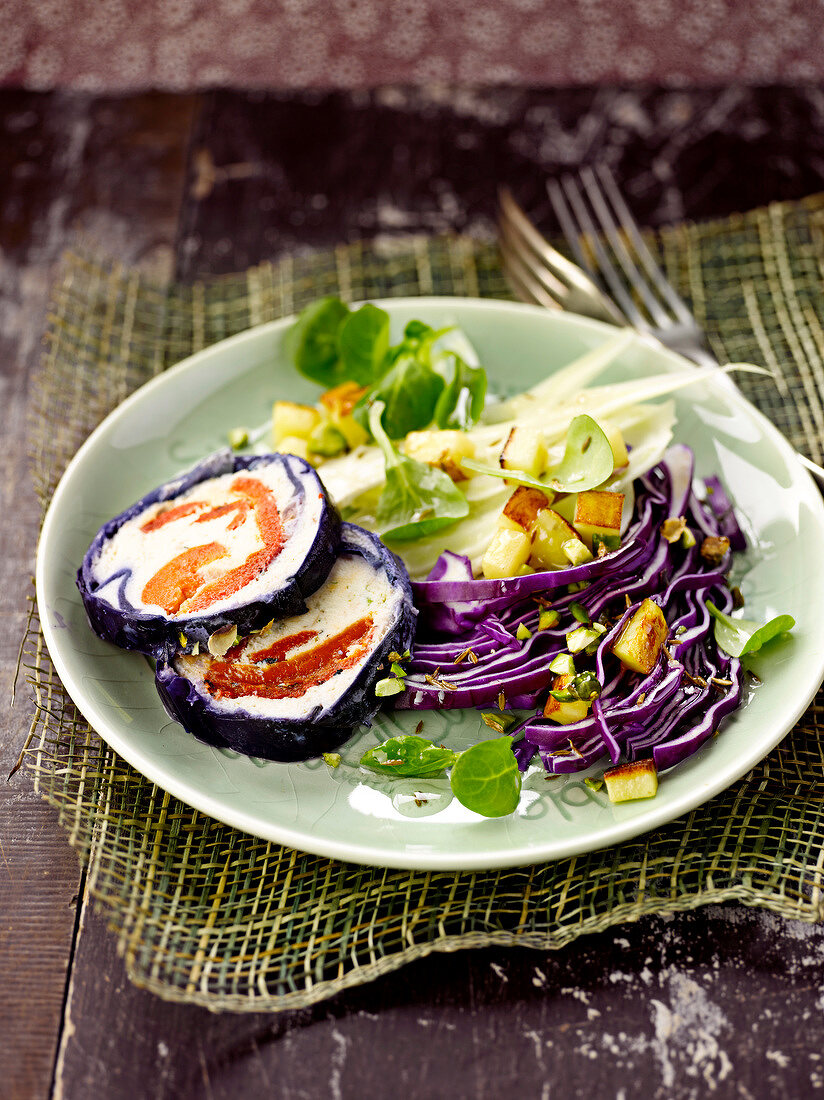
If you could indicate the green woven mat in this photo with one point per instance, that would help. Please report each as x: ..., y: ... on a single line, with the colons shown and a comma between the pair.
x: 206, y: 914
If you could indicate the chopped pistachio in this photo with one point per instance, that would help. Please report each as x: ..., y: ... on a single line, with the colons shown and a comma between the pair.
x: 687, y: 539
x: 714, y: 549
x: 390, y: 685
x: 563, y: 664
x: 547, y: 619
x: 238, y: 437
x: 332, y: 759
x: 593, y: 783
x: 523, y: 633
x: 498, y: 721
x: 673, y: 528
x: 222, y: 641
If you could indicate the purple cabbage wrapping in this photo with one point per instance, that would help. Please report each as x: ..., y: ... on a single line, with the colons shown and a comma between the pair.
x: 153, y: 632
x: 323, y: 730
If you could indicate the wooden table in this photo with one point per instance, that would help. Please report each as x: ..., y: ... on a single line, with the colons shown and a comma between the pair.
x: 725, y: 1000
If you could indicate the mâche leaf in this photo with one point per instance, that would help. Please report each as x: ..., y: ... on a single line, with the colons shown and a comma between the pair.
x: 363, y: 342
x: 462, y: 401
x: 409, y: 757
x: 486, y: 778
x: 741, y: 636
x: 588, y: 459
x: 312, y: 342
x: 409, y: 392
x: 517, y: 477
x: 417, y: 499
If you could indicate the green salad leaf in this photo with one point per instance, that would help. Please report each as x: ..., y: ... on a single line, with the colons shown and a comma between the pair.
x: 409, y: 392
x: 741, y: 636
x: 588, y: 459
x: 417, y: 499
x: 408, y: 756
x: 462, y: 401
x: 363, y: 342
x: 486, y: 779
x: 517, y: 477
x: 312, y: 342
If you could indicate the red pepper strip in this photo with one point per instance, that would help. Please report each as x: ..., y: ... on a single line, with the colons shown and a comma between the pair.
x: 289, y: 679
x: 239, y: 506
x: 274, y: 652
x: 271, y: 533
x: 162, y: 518
x: 180, y: 578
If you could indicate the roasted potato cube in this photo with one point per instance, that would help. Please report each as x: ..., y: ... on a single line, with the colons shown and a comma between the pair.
x: 575, y: 710
x: 340, y: 400
x: 293, y: 445
x: 640, y: 642
x: 291, y: 420
x: 599, y: 513
x: 628, y: 781
x: 507, y: 552
x: 524, y: 505
x: 524, y: 450
x: 620, y: 455
x: 444, y: 450
x: 549, y: 533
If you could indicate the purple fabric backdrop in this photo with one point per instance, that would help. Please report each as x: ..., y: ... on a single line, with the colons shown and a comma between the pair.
x: 176, y: 44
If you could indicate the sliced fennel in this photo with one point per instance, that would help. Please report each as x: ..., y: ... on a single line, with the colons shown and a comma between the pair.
x: 549, y: 407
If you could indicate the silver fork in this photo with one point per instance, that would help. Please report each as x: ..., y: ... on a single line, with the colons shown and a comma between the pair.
x: 643, y: 298
x: 655, y: 307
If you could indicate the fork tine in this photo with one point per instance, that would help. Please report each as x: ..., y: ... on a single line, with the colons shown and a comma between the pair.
x: 531, y: 283
x: 610, y: 230
x: 542, y: 270
x: 526, y: 288
x: 586, y: 227
x: 513, y: 220
x: 568, y: 227
x: 630, y: 227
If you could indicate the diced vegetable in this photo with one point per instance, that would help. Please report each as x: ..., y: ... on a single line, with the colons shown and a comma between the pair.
x: 340, y: 400
x: 525, y: 450
x: 639, y: 643
x: 599, y: 513
x: 326, y: 441
x: 615, y: 438
x: 550, y: 532
x: 442, y: 449
x: 565, y: 711
x: 294, y: 445
x: 638, y: 779
x: 292, y: 420
x: 524, y: 505
x: 506, y: 553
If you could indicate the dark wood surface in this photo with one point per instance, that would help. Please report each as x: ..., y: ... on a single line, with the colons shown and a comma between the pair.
x: 721, y: 1001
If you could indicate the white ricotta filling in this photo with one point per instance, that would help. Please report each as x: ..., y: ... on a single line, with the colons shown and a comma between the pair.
x: 353, y: 590
x: 144, y: 553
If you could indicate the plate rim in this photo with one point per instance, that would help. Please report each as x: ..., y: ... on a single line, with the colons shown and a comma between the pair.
x: 611, y: 834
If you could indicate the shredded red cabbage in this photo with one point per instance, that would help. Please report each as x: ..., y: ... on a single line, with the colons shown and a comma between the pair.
x: 467, y: 653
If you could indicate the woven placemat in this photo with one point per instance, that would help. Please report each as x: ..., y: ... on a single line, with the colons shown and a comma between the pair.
x: 206, y: 914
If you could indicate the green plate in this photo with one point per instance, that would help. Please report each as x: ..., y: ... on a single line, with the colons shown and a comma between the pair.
x: 344, y: 813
